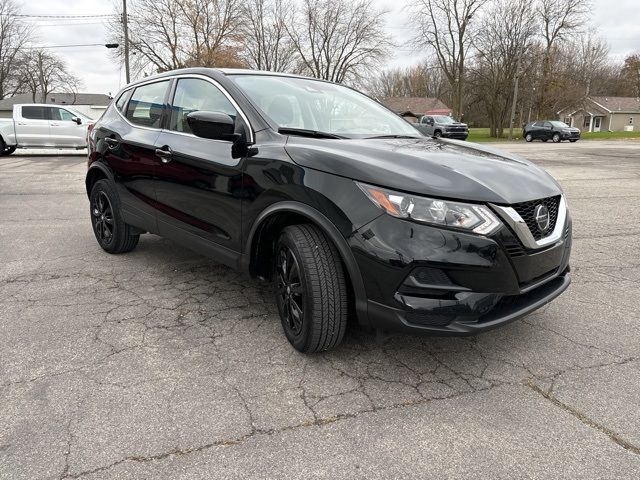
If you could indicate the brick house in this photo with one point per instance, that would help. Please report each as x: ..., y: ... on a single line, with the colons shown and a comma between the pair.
x: 604, y: 114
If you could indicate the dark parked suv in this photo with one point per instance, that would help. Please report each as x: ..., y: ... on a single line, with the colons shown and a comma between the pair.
x: 339, y: 201
x: 546, y: 130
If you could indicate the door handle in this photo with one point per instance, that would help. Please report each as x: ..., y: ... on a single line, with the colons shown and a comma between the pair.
x: 111, y: 142
x: 164, y: 153
x: 55, y: 124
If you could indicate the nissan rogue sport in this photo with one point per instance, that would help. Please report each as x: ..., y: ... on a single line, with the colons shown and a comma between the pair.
x: 348, y: 209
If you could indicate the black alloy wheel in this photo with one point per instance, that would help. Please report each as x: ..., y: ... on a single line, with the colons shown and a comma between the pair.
x: 112, y: 233
x: 311, y: 289
x: 102, y: 217
x: 290, y: 290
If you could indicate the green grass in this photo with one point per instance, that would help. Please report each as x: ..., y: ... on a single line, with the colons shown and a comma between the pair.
x: 608, y: 135
x: 481, y: 135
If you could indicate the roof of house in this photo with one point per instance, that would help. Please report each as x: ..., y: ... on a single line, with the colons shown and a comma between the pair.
x: 618, y: 104
x: 414, y: 105
x: 58, y: 99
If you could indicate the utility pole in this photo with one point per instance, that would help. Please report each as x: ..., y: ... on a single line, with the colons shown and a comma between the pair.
x: 126, y: 40
x: 515, y: 99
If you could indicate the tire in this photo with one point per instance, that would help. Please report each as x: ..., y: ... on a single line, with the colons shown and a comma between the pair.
x: 112, y: 234
x: 573, y: 141
x: 311, y: 290
x: 4, y: 150
x: 528, y: 137
x: 556, y: 138
x: 437, y: 134
x: 545, y: 140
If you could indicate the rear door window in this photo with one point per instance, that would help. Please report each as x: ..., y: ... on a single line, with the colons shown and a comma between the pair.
x: 34, y: 113
x: 146, y: 107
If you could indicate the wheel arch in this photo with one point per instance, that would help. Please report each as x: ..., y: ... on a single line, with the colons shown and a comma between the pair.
x: 263, y: 235
x: 96, y: 172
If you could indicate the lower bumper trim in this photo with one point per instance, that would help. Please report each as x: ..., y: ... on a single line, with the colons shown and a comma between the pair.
x: 507, y: 309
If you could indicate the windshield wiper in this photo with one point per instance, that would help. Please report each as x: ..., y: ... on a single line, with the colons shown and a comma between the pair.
x: 307, y: 133
x: 393, y: 136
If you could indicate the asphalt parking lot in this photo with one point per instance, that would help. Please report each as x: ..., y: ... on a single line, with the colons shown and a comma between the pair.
x: 163, y: 364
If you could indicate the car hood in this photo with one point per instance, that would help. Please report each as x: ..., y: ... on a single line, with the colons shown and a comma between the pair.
x: 442, y: 168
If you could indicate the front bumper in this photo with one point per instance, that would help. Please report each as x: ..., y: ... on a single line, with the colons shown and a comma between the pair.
x: 570, y: 135
x: 442, y: 281
x: 456, y: 135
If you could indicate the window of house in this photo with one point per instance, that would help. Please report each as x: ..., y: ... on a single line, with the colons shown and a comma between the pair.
x: 147, y: 104
x: 630, y: 120
x: 567, y: 120
x: 587, y: 121
x: 193, y: 94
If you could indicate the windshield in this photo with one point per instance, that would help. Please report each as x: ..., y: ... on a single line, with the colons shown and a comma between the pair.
x: 559, y: 124
x: 443, y: 119
x: 301, y: 103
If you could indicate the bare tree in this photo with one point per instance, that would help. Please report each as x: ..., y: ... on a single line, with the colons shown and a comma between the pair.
x: 14, y: 35
x: 444, y: 26
x: 560, y: 19
x: 422, y: 80
x: 44, y: 73
x: 170, y: 34
x: 339, y: 40
x: 504, y: 39
x: 267, y: 45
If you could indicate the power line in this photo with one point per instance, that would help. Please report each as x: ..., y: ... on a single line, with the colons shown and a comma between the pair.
x: 24, y: 15
x: 37, y: 47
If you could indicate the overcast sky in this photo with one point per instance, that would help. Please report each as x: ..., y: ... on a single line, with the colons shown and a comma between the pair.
x: 616, y: 20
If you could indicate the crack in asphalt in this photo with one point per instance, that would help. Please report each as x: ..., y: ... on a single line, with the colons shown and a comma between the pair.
x: 616, y: 438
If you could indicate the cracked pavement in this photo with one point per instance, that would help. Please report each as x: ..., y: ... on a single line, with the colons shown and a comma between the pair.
x: 163, y: 364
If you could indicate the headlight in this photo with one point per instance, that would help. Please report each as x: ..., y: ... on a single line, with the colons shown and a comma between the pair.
x: 476, y: 218
x: 566, y: 130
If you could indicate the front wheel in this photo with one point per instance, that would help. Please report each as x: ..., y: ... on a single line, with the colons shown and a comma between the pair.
x: 311, y: 290
x: 556, y: 138
x: 528, y: 137
x: 113, y: 235
x: 573, y: 141
x: 437, y: 134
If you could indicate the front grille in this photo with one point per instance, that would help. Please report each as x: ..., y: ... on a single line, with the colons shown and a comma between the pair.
x: 527, y: 211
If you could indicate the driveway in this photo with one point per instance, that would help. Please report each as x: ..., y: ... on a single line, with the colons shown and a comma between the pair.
x: 163, y: 364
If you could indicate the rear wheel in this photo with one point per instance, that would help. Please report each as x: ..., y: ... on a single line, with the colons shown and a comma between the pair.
x: 113, y: 235
x: 311, y: 290
x: 528, y: 137
x: 556, y: 138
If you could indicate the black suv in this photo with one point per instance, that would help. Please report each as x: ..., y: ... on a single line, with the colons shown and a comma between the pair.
x: 335, y: 198
x: 546, y: 130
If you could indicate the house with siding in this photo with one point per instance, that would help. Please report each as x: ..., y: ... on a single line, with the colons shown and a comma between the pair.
x: 412, y: 108
x: 604, y: 114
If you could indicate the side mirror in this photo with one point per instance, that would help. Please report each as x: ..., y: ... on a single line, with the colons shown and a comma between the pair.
x: 212, y: 125
x: 78, y: 120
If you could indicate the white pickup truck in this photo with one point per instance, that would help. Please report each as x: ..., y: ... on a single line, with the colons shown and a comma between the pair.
x: 43, y: 126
